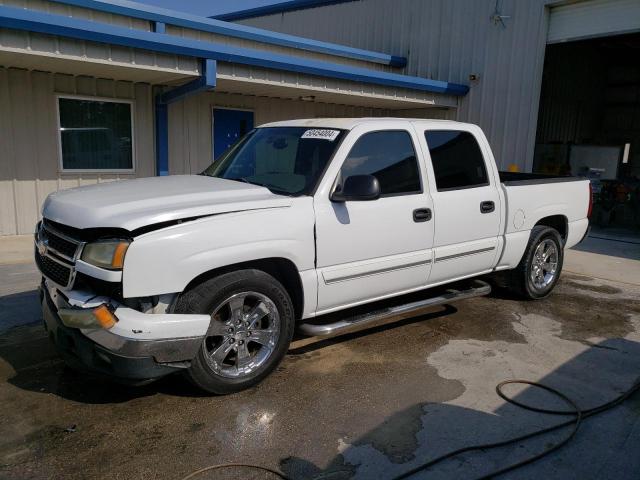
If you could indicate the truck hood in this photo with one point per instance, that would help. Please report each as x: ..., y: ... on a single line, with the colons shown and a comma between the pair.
x: 131, y: 204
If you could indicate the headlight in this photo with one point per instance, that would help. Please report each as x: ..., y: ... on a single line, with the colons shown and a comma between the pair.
x: 106, y: 254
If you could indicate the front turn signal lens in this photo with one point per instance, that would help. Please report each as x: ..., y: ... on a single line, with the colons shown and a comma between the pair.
x: 99, y: 317
x: 118, y: 255
x: 105, y: 318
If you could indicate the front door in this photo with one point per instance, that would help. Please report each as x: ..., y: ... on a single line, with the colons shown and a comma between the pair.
x: 372, y: 249
x: 228, y: 127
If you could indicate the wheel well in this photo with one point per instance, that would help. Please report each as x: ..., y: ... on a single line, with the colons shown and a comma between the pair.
x: 558, y: 222
x: 281, y: 269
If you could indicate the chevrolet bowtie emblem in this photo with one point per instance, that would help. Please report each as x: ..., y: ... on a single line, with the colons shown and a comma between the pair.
x: 42, y: 247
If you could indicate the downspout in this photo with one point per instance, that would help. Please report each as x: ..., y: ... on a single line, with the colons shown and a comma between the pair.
x: 206, y: 81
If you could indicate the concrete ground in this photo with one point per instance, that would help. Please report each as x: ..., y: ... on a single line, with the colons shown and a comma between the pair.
x: 368, y: 405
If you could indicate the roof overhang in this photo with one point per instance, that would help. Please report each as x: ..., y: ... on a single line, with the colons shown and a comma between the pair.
x: 244, y: 32
x: 29, y: 59
x: 287, y: 85
x: 45, y: 23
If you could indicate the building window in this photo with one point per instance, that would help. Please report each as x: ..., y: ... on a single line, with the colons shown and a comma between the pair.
x: 96, y: 135
x: 457, y: 159
x: 390, y: 157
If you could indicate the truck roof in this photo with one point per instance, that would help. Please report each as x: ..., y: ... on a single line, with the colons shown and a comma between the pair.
x: 350, y: 123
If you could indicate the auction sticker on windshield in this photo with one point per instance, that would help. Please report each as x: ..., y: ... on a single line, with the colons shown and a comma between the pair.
x: 321, y: 133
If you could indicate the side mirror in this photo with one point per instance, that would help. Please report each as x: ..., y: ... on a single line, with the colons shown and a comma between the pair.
x: 357, y: 188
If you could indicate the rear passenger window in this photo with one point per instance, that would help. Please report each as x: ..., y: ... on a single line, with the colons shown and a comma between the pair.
x: 390, y: 157
x: 457, y: 159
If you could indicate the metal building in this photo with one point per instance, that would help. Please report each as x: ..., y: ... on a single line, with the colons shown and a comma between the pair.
x: 93, y: 91
x: 554, y: 84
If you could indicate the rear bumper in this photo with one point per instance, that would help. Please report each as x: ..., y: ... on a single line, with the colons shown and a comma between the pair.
x: 115, y: 356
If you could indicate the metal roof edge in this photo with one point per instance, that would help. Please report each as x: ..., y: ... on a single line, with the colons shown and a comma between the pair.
x: 212, y: 25
x: 52, y: 24
x: 281, y: 7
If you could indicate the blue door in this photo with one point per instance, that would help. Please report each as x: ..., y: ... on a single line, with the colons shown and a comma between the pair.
x: 228, y: 127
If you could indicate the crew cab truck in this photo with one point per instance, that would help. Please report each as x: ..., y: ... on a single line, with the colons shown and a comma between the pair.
x: 211, y: 274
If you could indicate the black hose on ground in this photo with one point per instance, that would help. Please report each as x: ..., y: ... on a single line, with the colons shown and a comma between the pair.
x: 578, y: 414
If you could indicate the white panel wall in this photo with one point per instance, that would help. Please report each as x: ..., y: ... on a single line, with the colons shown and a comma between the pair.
x: 449, y: 40
x: 593, y: 18
x: 28, y: 140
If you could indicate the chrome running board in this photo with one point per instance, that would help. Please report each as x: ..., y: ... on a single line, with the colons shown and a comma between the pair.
x: 315, y: 328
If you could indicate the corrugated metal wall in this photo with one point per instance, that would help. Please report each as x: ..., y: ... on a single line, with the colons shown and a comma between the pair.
x: 449, y: 40
x: 29, y: 140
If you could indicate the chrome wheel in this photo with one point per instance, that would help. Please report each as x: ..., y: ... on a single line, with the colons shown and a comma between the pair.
x: 544, y: 265
x: 242, y: 335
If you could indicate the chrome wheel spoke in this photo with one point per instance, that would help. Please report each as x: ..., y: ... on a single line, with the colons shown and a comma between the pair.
x: 217, y: 328
x: 236, y: 305
x: 258, y: 313
x: 243, y: 356
x: 221, y: 352
x: 263, y: 337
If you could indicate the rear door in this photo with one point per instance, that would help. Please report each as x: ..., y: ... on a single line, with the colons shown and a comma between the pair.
x: 466, y: 203
x: 371, y: 249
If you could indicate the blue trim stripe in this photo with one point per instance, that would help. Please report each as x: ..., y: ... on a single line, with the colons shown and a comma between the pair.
x: 105, y: 33
x: 170, y: 17
x: 281, y: 7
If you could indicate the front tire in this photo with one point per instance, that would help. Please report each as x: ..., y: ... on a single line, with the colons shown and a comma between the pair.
x: 252, y: 324
x: 538, y: 272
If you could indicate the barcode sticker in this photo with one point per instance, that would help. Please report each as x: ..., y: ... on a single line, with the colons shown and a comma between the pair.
x: 321, y: 133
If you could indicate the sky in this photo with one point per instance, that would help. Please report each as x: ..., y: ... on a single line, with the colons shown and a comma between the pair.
x: 208, y: 8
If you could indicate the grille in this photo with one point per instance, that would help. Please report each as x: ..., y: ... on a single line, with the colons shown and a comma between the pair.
x: 62, y: 245
x: 53, y: 270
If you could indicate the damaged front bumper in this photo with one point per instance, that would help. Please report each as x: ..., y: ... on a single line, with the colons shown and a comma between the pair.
x: 137, y: 347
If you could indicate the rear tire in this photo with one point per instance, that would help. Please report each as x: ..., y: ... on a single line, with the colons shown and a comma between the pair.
x: 538, y: 272
x: 252, y: 323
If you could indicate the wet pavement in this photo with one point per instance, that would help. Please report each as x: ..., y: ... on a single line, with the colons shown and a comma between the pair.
x: 368, y: 405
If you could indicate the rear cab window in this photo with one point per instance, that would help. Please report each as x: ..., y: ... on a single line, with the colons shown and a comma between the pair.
x: 457, y: 160
x: 388, y: 155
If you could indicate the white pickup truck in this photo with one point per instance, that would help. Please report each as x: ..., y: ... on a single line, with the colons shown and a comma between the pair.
x: 211, y: 274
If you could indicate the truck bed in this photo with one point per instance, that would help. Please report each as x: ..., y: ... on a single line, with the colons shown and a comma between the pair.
x: 530, y: 197
x: 517, y: 178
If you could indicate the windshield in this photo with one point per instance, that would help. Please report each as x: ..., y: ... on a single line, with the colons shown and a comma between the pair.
x: 286, y: 160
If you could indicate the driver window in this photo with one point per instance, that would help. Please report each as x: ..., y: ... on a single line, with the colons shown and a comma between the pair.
x: 390, y: 157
